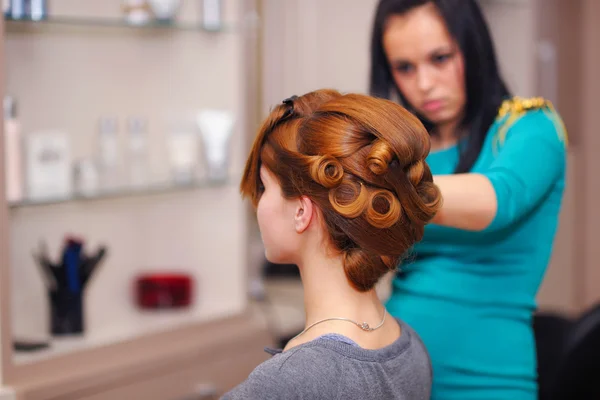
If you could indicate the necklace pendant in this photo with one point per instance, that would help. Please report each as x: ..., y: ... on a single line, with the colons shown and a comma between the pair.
x: 364, y: 326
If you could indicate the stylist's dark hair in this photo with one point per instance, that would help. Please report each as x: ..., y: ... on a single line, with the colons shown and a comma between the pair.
x: 485, y: 88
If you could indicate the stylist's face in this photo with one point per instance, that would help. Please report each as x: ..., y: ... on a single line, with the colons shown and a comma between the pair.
x: 426, y: 64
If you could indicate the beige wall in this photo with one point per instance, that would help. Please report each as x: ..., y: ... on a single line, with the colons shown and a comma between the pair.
x: 3, y: 234
x: 312, y: 44
x: 513, y: 28
x: 66, y: 78
x: 590, y: 146
x: 557, y: 79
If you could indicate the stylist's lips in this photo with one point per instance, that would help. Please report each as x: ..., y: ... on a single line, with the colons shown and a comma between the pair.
x: 433, y: 105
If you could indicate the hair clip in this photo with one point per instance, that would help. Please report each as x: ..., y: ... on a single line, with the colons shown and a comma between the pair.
x: 290, y: 100
x: 290, y: 103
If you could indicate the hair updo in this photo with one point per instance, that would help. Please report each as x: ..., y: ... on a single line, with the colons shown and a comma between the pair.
x: 361, y: 160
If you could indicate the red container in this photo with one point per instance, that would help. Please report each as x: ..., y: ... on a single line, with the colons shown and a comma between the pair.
x: 160, y: 291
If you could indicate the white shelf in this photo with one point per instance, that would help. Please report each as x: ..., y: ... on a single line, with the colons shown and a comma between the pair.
x: 148, y: 190
x: 57, y: 21
x: 154, y: 322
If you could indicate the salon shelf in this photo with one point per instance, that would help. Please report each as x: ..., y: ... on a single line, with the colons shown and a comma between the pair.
x: 153, y: 323
x: 174, y: 363
x: 282, y: 311
x: 16, y: 25
x: 153, y: 189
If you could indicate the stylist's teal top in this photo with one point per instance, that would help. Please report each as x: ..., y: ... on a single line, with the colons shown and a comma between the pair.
x: 471, y: 295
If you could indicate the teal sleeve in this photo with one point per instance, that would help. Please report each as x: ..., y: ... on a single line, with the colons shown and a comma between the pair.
x: 528, y: 164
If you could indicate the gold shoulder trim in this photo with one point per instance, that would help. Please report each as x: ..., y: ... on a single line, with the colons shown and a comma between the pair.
x: 513, y: 109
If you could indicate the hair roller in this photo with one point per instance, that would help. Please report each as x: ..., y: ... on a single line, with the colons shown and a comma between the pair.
x: 349, y: 199
x: 379, y: 157
x: 383, y: 218
x: 327, y: 171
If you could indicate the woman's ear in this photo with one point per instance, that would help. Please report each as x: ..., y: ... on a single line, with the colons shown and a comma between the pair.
x: 304, y: 214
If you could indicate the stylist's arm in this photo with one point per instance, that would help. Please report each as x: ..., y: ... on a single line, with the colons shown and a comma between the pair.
x: 529, y: 163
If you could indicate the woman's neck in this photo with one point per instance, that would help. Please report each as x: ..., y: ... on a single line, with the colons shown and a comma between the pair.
x: 328, y: 294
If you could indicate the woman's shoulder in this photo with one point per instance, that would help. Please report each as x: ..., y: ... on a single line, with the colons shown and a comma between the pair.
x: 535, y: 117
x: 323, y: 368
x: 288, y: 375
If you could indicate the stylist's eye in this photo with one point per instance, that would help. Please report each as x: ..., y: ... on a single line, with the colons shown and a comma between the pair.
x: 404, y: 68
x: 441, y: 58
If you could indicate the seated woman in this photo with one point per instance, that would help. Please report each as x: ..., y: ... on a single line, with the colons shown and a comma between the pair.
x: 342, y: 191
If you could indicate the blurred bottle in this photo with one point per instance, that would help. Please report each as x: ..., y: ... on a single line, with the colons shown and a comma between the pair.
x: 137, y: 12
x: 6, y: 7
x: 85, y: 176
x: 17, y: 9
x: 165, y: 11
x: 38, y: 9
x: 109, y: 157
x: 212, y: 15
x: 13, y: 155
x: 138, y: 152
x: 183, y: 149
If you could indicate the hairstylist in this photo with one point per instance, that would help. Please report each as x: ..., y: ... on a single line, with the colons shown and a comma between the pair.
x: 499, y: 162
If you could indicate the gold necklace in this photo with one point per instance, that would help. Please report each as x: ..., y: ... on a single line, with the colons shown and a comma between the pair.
x: 362, y: 325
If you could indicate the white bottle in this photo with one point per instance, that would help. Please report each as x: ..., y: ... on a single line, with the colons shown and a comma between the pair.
x: 49, y: 165
x: 13, y: 156
x: 109, y: 155
x: 137, y: 12
x: 138, y: 152
x: 86, y: 178
x: 183, y: 148
x: 212, y: 18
